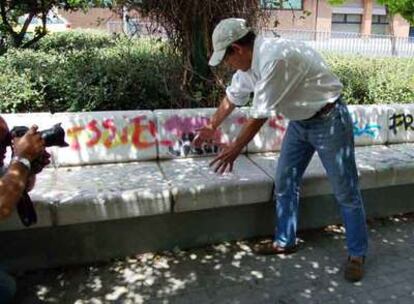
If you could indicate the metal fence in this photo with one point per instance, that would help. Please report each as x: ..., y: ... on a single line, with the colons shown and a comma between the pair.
x: 135, y: 28
x: 351, y: 43
x: 340, y: 42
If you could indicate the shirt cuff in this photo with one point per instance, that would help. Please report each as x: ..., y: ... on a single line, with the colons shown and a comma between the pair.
x: 239, y: 102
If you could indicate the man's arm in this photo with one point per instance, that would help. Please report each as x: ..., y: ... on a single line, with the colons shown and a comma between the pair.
x: 12, y: 185
x: 207, y: 132
x: 225, y: 108
x: 227, y: 157
x: 16, y: 179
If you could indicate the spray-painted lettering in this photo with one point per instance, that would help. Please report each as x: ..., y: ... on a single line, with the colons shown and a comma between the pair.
x: 138, y: 131
x: 277, y: 123
x: 184, y: 130
x: 371, y: 130
x: 401, y: 120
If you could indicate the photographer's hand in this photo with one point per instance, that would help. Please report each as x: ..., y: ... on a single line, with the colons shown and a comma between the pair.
x: 42, y: 161
x: 31, y: 181
x: 15, y: 181
x: 30, y: 145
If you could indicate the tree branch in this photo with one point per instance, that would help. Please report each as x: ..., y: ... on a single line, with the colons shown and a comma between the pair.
x: 5, y: 21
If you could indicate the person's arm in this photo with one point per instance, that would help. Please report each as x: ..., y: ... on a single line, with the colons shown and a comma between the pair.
x: 12, y: 185
x: 224, y: 161
x: 277, y: 80
x: 16, y: 179
x: 207, y: 132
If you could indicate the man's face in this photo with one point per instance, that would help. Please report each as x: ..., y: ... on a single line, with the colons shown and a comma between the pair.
x: 4, y: 134
x: 239, y: 59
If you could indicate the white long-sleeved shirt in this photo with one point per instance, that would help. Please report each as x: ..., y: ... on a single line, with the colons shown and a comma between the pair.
x: 287, y: 77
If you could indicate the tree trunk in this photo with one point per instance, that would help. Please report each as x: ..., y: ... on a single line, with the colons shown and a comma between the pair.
x: 201, y: 72
x: 390, y: 17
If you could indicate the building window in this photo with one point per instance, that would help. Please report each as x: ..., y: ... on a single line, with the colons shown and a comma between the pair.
x: 282, y: 4
x: 346, y: 23
x: 379, y: 19
x: 379, y: 25
x: 347, y: 18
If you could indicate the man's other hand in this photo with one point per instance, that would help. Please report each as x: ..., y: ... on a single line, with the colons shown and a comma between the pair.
x: 224, y: 161
x: 203, y: 134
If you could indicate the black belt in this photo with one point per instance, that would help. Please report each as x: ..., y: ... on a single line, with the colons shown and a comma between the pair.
x: 325, y: 110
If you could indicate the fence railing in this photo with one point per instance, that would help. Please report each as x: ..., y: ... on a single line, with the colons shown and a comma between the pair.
x: 352, y: 43
x: 135, y: 28
x: 340, y: 42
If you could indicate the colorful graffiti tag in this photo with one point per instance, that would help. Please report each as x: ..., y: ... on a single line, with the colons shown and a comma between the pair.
x: 182, y: 130
x: 277, y: 128
x: 138, y: 132
x: 364, y: 129
x: 371, y: 130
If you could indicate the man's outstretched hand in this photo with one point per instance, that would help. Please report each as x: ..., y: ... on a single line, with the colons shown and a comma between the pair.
x: 224, y: 161
x: 206, y: 133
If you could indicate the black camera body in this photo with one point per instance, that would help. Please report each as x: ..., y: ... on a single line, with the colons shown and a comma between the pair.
x: 54, y: 136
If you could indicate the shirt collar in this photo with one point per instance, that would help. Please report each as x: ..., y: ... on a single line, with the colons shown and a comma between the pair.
x: 257, y: 43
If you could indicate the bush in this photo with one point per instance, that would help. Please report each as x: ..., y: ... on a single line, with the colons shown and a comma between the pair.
x: 80, y: 71
x: 138, y: 74
x: 17, y: 93
x: 75, y: 40
x: 374, y: 80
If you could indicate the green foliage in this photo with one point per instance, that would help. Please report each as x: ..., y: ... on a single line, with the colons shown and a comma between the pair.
x: 16, y: 34
x: 138, y: 74
x: 374, y: 80
x: 17, y: 93
x: 189, y: 25
x: 69, y: 72
x: 403, y: 7
x: 75, y: 40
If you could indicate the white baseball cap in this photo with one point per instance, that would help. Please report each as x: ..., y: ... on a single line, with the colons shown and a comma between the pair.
x: 225, y: 33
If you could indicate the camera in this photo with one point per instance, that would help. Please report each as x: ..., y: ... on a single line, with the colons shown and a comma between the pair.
x: 54, y: 136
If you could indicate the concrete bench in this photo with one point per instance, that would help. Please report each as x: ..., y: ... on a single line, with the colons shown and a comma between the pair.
x: 130, y: 173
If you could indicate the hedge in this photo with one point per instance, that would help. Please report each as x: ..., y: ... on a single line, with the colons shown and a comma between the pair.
x: 119, y: 74
x: 374, y: 80
x: 79, y: 71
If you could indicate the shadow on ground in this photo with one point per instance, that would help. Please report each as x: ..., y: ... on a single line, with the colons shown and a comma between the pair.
x: 231, y: 273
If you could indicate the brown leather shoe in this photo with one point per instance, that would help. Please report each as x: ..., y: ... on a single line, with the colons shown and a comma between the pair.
x: 354, y: 269
x: 268, y: 248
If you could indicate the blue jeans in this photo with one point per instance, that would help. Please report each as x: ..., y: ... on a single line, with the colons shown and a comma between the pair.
x: 7, y: 288
x: 331, y: 136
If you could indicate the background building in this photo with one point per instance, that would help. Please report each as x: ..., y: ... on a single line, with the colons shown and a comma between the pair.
x: 356, y: 16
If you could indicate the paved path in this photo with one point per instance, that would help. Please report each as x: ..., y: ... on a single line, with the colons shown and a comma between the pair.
x: 230, y: 273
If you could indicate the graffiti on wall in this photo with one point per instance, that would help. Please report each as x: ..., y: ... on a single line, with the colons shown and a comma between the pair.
x: 403, y: 121
x: 139, y: 132
x: 276, y: 124
x: 183, y: 130
x: 364, y: 129
x: 273, y: 132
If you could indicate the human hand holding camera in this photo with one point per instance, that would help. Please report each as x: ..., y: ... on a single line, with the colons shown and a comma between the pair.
x: 29, y: 149
x: 29, y: 146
